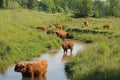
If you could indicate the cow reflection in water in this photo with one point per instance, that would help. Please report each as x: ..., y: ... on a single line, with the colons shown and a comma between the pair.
x: 36, y: 78
x: 66, y: 57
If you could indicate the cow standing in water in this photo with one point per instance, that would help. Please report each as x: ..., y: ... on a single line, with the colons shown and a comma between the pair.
x: 68, y: 44
x: 32, y: 69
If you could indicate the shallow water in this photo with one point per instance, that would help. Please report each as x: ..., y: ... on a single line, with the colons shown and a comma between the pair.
x: 55, y: 66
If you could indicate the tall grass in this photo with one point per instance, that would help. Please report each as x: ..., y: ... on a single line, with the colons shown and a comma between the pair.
x: 19, y: 39
x: 97, y: 62
x: 101, y: 59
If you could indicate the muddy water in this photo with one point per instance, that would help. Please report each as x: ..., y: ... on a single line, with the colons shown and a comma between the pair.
x: 55, y: 66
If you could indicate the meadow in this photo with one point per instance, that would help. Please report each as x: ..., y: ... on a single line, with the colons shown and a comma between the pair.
x: 100, y: 60
x: 19, y: 40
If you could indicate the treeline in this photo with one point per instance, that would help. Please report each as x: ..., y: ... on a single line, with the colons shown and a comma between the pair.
x: 80, y: 8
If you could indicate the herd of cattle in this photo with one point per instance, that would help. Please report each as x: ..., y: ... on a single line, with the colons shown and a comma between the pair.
x: 39, y: 68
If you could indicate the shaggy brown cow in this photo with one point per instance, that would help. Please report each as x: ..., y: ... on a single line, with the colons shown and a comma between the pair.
x: 62, y: 34
x: 59, y: 26
x: 51, y: 26
x: 68, y: 44
x: 57, y: 32
x: 106, y: 26
x: 86, y: 23
x: 42, y: 28
x: 31, y: 69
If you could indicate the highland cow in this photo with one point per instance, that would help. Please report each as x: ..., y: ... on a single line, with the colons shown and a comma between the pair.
x: 62, y: 34
x: 32, y: 69
x: 106, y: 26
x: 59, y: 26
x: 86, y: 23
x: 51, y: 26
x: 68, y: 44
x: 42, y: 28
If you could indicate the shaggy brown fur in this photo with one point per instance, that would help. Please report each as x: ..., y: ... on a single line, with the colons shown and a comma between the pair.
x: 59, y: 26
x: 31, y: 69
x: 106, y: 26
x: 62, y: 34
x: 51, y: 26
x: 68, y: 44
x: 42, y: 28
x: 86, y: 23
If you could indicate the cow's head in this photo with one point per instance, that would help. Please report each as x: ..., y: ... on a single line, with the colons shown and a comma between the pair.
x: 19, y: 67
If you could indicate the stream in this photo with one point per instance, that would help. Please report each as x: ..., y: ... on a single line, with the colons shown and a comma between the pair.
x: 55, y: 69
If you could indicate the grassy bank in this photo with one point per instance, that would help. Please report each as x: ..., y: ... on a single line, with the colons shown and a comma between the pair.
x: 19, y: 39
x: 100, y: 60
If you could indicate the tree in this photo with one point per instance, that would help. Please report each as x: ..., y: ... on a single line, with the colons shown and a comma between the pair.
x: 8, y: 4
x: 22, y: 3
x: 46, y: 5
x: 114, y: 7
x: 32, y: 4
x: 84, y: 8
x: 1, y: 3
x: 99, y: 8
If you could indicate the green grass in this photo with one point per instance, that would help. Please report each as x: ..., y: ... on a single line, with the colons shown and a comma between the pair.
x: 19, y: 39
x: 100, y: 60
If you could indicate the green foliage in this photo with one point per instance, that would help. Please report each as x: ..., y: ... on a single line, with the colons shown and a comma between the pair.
x: 96, y: 62
x: 31, y: 4
x: 4, y: 49
x: 98, y: 6
x: 80, y: 8
x: 9, y: 4
x: 84, y: 8
x: 47, y: 5
x: 19, y: 39
x: 114, y: 8
x: 100, y: 60
x: 23, y: 3
x: 59, y: 9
